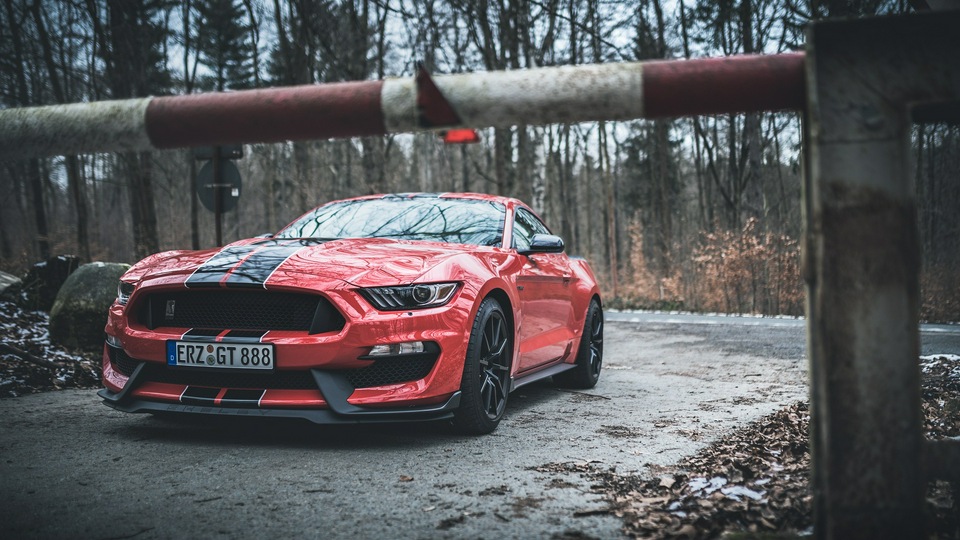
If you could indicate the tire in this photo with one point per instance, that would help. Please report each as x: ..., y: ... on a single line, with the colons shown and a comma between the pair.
x: 486, y: 372
x: 589, y: 355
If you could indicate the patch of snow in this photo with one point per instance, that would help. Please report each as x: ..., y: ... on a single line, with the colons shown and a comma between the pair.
x: 735, y: 492
x: 708, y: 314
x: 707, y: 486
x: 948, y: 361
x: 949, y: 357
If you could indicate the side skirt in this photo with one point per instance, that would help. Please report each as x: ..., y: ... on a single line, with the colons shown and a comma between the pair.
x: 539, y: 375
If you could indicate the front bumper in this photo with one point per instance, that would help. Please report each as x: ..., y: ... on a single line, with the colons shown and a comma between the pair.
x: 319, y: 371
x: 332, y: 408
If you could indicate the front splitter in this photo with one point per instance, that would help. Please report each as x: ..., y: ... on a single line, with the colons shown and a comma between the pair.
x: 357, y: 415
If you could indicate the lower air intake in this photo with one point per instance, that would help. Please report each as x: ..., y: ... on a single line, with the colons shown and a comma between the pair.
x: 390, y: 371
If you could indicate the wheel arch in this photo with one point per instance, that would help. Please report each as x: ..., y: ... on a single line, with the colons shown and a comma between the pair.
x: 510, y: 312
x: 506, y: 305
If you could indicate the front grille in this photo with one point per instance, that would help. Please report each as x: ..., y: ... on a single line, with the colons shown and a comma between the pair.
x: 390, y: 371
x: 241, y: 310
x: 122, y: 363
x: 279, y: 380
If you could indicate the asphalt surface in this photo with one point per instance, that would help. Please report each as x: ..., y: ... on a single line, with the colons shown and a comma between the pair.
x: 764, y: 336
x: 72, y: 468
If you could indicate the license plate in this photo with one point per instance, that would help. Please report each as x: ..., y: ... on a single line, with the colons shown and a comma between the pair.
x: 257, y: 356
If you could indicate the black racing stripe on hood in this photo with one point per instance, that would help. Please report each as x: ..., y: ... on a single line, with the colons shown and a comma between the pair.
x: 210, y: 273
x: 254, y: 271
x: 248, y: 265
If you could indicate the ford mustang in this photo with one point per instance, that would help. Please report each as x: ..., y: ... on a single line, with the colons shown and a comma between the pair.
x: 375, y: 309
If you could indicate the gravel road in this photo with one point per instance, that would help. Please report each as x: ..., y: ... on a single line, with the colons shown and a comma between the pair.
x: 73, y: 468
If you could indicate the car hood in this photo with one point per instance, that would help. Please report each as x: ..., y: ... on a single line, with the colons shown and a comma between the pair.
x: 263, y: 263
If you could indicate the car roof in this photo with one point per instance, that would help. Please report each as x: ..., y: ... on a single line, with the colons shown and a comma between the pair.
x: 506, y: 201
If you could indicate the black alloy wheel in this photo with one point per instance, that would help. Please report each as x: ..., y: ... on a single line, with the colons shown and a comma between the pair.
x: 486, y: 372
x: 589, y: 355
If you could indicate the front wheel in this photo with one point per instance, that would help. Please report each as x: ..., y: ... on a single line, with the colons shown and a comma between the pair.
x: 590, y: 354
x: 486, y: 372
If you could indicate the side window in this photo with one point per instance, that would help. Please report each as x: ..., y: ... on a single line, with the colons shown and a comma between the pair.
x: 525, y: 225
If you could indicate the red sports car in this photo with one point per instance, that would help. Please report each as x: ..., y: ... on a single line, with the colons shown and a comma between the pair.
x: 375, y: 309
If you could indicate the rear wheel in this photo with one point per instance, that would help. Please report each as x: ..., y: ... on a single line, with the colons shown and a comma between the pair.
x: 486, y: 372
x: 589, y: 355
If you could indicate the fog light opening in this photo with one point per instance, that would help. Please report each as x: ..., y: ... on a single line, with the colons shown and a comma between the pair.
x: 396, y: 349
x: 114, y: 342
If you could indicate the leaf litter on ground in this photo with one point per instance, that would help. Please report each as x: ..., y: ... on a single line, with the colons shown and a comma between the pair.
x: 28, y: 331
x: 754, y: 482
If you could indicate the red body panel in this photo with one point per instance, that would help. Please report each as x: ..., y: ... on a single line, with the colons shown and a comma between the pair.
x: 548, y: 312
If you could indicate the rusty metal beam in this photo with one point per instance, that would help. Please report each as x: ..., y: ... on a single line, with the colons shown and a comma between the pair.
x: 862, y: 266
x: 491, y: 99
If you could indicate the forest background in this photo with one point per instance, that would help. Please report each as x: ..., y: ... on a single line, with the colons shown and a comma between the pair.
x: 697, y: 213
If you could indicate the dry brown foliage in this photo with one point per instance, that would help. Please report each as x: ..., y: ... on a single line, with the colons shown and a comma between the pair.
x: 644, y: 289
x: 748, y: 271
x: 940, y: 294
x: 745, y: 271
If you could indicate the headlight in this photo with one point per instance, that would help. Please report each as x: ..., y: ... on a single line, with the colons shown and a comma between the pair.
x: 124, y: 290
x: 410, y: 296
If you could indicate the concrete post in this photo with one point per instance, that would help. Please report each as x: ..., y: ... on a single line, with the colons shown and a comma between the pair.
x: 861, y: 263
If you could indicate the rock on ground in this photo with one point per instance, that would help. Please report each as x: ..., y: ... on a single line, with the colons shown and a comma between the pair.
x: 80, y: 310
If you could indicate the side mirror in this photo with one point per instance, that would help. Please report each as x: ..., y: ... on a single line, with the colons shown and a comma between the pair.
x: 544, y: 243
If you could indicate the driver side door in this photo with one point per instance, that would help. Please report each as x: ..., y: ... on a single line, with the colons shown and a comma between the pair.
x: 544, y: 285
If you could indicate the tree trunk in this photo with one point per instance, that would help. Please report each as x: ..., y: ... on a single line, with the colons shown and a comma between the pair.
x: 664, y: 195
x: 501, y: 150
x: 194, y: 204
x: 611, y: 208
x: 39, y: 208
x: 143, y: 212
x: 74, y: 181
x: 78, y: 192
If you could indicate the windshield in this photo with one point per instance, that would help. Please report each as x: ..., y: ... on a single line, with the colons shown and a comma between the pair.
x: 460, y: 221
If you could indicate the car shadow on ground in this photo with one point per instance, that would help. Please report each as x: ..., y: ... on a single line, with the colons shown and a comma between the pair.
x: 295, y: 433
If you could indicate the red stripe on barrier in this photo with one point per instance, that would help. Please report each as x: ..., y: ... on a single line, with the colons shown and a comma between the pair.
x: 350, y: 109
x: 434, y: 109
x: 733, y: 84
